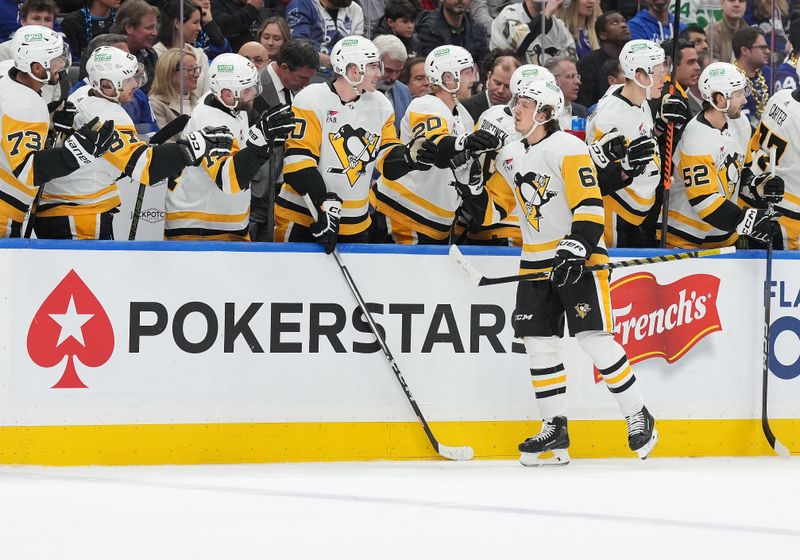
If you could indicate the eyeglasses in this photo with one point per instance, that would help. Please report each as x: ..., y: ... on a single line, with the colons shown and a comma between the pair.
x: 191, y: 70
x: 574, y: 76
x: 257, y: 60
x: 762, y: 47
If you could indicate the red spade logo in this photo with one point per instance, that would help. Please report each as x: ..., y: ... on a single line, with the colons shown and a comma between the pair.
x: 70, y: 322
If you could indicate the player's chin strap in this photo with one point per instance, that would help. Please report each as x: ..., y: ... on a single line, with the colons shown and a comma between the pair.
x: 355, y: 85
x: 647, y: 88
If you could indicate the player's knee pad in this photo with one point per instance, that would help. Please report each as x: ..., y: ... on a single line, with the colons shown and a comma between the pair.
x: 543, y: 351
x: 601, y: 347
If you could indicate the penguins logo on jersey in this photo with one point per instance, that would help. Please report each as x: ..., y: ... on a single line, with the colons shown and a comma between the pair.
x: 355, y: 148
x: 533, y: 194
x: 731, y: 171
x: 582, y: 310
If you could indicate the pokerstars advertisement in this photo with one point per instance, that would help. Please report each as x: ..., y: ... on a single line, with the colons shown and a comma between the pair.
x: 120, y: 336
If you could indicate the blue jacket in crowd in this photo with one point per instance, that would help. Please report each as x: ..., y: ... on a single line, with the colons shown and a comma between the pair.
x: 644, y: 26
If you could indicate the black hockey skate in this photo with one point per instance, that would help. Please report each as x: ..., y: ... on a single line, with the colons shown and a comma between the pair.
x: 642, y: 433
x: 554, y: 438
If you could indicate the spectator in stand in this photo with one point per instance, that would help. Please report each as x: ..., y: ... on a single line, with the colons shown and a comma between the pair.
x: 720, y: 34
x: 580, y: 17
x: 519, y: 26
x: 393, y: 56
x: 752, y: 56
x: 696, y: 35
x: 80, y: 27
x: 449, y: 25
x: 498, y: 77
x: 137, y: 20
x: 568, y: 79
x: 413, y: 76
x: 786, y: 74
x: 256, y: 53
x: 139, y: 107
x: 759, y: 14
x: 210, y: 40
x: 613, y: 33
x: 239, y: 19
x: 324, y: 23
x: 173, y: 90
x: 399, y: 20
x: 656, y: 23
x: 295, y: 64
x: 32, y: 12
x: 169, y: 36
x: 611, y: 72
x: 273, y: 34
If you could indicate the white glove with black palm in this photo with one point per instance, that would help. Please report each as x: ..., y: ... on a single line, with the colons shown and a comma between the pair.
x: 90, y: 141
x: 640, y: 153
x: 608, y: 149
x: 756, y: 223
x: 212, y: 141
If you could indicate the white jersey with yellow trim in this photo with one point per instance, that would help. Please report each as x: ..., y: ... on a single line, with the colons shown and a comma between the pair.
x: 631, y: 203
x: 92, y: 188
x: 207, y: 201
x: 425, y: 201
x: 25, y: 121
x: 780, y: 128
x: 550, y: 186
x: 346, y: 142
x: 708, y: 165
x: 499, y: 120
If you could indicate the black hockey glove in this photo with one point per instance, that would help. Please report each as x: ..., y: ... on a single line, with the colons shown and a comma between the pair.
x: 480, y: 142
x: 420, y: 153
x: 673, y: 109
x: 569, y: 261
x: 468, y: 175
x: 326, y: 229
x: 756, y: 223
x: 764, y: 187
x: 272, y: 129
x: 640, y: 153
x: 212, y: 141
x: 90, y: 141
x: 64, y: 117
x: 608, y: 149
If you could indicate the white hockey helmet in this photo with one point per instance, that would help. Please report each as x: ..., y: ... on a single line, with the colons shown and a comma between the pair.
x: 235, y: 73
x: 447, y: 59
x: 529, y: 73
x: 121, y: 69
x: 354, y: 50
x: 724, y: 78
x: 545, y: 94
x: 36, y: 43
x: 642, y: 54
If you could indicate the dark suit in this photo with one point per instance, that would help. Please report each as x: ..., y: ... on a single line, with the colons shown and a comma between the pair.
x: 269, y: 178
x: 476, y: 105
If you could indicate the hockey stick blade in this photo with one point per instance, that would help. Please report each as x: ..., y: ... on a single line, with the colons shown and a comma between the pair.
x: 463, y: 264
x: 464, y: 453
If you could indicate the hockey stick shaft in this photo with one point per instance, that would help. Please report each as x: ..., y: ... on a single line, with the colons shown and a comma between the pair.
x: 779, y: 448
x: 49, y: 142
x: 464, y: 453
x: 670, y: 128
x: 488, y: 281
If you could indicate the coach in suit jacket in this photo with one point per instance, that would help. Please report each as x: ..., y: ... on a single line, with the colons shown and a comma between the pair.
x: 292, y: 70
x: 498, y: 78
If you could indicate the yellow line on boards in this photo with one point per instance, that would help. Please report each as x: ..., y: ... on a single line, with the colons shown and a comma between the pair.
x: 154, y: 444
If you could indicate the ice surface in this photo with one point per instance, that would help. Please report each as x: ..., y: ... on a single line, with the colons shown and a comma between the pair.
x: 615, y: 509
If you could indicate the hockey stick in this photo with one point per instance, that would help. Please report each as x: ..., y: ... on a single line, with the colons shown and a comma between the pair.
x: 779, y: 448
x: 464, y: 453
x: 49, y: 142
x: 170, y: 129
x: 476, y: 278
x: 676, y: 26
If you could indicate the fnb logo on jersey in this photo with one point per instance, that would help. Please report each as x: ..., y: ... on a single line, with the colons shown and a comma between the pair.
x: 666, y: 321
x: 70, y: 322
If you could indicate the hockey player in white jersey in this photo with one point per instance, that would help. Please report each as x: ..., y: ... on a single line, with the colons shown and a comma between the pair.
x: 421, y: 207
x: 779, y: 129
x: 555, y: 194
x: 212, y: 201
x: 629, y: 187
x: 345, y: 131
x: 81, y: 205
x: 710, y: 167
x: 39, y: 55
x: 499, y: 120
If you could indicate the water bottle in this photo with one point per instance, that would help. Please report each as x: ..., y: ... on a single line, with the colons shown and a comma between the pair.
x: 579, y: 127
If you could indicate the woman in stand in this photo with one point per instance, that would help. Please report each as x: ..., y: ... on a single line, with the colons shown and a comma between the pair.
x: 174, y: 74
x: 169, y: 36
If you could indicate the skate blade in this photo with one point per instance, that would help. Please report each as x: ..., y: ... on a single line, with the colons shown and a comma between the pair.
x: 645, y: 450
x: 555, y: 458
